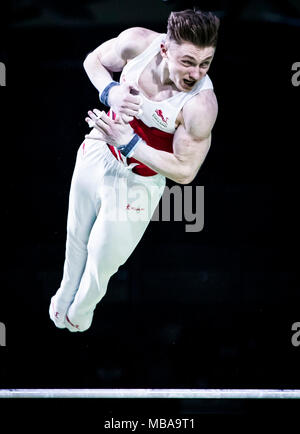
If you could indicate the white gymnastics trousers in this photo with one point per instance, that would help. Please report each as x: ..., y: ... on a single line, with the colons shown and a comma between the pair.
x: 110, y: 208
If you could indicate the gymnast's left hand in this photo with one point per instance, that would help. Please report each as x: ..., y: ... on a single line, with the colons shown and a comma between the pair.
x: 114, y: 132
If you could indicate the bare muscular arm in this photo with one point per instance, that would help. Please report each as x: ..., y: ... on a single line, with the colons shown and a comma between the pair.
x: 191, y: 141
x: 112, y: 55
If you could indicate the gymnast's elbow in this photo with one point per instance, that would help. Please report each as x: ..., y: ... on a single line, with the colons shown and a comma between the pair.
x: 90, y: 58
x: 185, y: 177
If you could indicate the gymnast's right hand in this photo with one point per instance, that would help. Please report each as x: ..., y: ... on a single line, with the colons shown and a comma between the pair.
x: 125, y: 101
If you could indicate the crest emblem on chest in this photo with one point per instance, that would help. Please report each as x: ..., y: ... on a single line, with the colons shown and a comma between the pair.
x: 160, y: 118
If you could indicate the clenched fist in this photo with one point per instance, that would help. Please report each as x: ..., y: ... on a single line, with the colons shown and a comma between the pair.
x: 125, y: 100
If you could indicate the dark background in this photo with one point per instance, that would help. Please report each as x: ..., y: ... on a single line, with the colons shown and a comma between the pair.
x: 212, y: 309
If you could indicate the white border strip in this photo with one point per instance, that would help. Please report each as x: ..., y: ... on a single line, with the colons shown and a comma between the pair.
x: 153, y: 393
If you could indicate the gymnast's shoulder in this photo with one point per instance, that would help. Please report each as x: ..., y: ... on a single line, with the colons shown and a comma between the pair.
x: 134, y: 40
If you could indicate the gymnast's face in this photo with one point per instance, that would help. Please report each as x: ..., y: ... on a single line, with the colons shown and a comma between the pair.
x: 187, y: 63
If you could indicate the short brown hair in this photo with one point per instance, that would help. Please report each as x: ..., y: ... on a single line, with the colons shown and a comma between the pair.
x: 192, y: 25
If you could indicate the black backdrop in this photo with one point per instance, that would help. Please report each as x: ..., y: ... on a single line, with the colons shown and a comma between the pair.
x: 212, y: 309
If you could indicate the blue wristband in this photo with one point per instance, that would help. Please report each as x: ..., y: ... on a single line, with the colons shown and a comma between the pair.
x: 104, y: 95
x: 128, y: 150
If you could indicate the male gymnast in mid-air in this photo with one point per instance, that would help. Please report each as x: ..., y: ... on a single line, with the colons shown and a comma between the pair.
x: 161, y: 114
